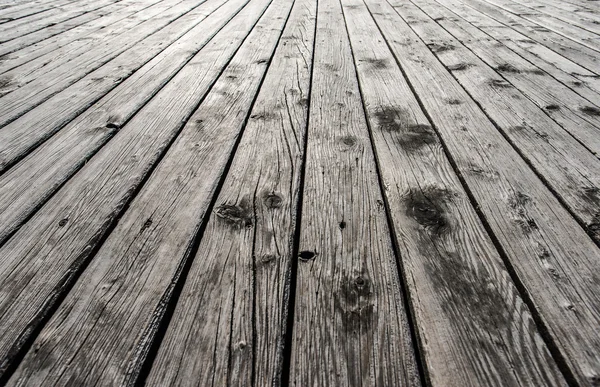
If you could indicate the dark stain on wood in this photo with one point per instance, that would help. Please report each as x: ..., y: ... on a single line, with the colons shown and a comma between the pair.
x: 377, y: 63
x: 437, y: 47
x: 264, y: 116
x: 342, y: 225
x: 552, y: 107
x: 590, y: 110
x: 426, y: 206
x: 459, y: 66
x: 353, y: 303
x: 519, y: 202
x: 272, y: 200
x: 472, y: 288
x: 236, y: 215
x: 453, y: 101
x: 499, y: 83
x: 348, y: 141
x: 507, y: 68
x: 63, y: 222
x: 412, y: 136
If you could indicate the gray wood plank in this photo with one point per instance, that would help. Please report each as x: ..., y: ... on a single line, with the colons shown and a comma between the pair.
x: 18, y: 10
x: 530, y: 49
x: 55, y: 15
x: 36, y: 44
x: 29, y: 85
x: 474, y: 328
x: 350, y: 323
x: 231, y: 315
x: 562, y: 161
x: 129, y: 279
x: 578, y: 53
x: 29, y: 183
x: 567, y: 29
x: 42, y: 260
x: 550, y: 255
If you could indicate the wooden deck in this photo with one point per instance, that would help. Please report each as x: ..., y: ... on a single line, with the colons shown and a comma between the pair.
x: 300, y: 192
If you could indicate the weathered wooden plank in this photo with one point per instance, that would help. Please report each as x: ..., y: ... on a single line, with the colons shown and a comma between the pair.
x: 474, y: 328
x: 234, y: 302
x: 55, y: 15
x: 36, y: 44
x: 129, y: 279
x: 579, y: 53
x: 34, y: 82
x: 566, y: 29
x: 18, y: 10
x: 27, y: 185
x: 574, y: 15
x: 565, y: 165
x: 550, y: 255
x: 46, y: 255
x: 533, y: 51
x: 350, y: 324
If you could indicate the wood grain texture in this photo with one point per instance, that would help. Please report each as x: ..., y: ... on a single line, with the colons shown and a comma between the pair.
x: 229, y: 323
x: 531, y: 50
x: 550, y: 254
x: 474, y: 328
x: 38, y: 43
x: 130, y: 280
x: 46, y: 255
x: 577, y: 52
x: 508, y: 89
x: 29, y: 183
x: 36, y: 81
x: 350, y: 324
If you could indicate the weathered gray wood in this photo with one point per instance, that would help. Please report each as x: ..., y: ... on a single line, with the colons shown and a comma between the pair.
x: 550, y: 254
x: 18, y: 10
x: 531, y: 50
x: 474, y: 328
x: 26, y: 25
x: 151, y: 230
x: 350, y: 323
x: 579, y: 53
x: 31, y: 84
x: 567, y: 166
x: 46, y: 255
x: 36, y: 44
x: 229, y: 323
x: 29, y: 183
x: 566, y: 29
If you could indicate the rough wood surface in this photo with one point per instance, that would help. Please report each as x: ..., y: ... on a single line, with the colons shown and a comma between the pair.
x: 46, y: 255
x: 229, y: 323
x: 127, y: 285
x: 69, y: 149
x: 462, y: 296
x: 550, y: 254
x: 350, y: 323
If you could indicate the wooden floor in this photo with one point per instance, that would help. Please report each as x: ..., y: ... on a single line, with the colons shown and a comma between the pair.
x: 300, y: 192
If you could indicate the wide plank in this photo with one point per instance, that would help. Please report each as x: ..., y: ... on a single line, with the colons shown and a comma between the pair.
x: 47, y: 254
x: 550, y: 256
x: 350, y: 325
x: 229, y: 323
x: 474, y: 328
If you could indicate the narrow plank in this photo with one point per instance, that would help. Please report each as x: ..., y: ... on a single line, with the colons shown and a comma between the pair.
x: 34, y: 45
x: 234, y: 302
x: 18, y: 10
x: 530, y: 49
x: 564, y: 164
x: 474, y: 328
x: 26, y: 25
x: 350, y: 323
x: 129, y: 280
x: 561, y: 27
x: 44, y: 258
x: 32, y: 83
x: 574, y: 16
x: 578, y: 53
x: 551, y: 256
x: 27, y: 185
